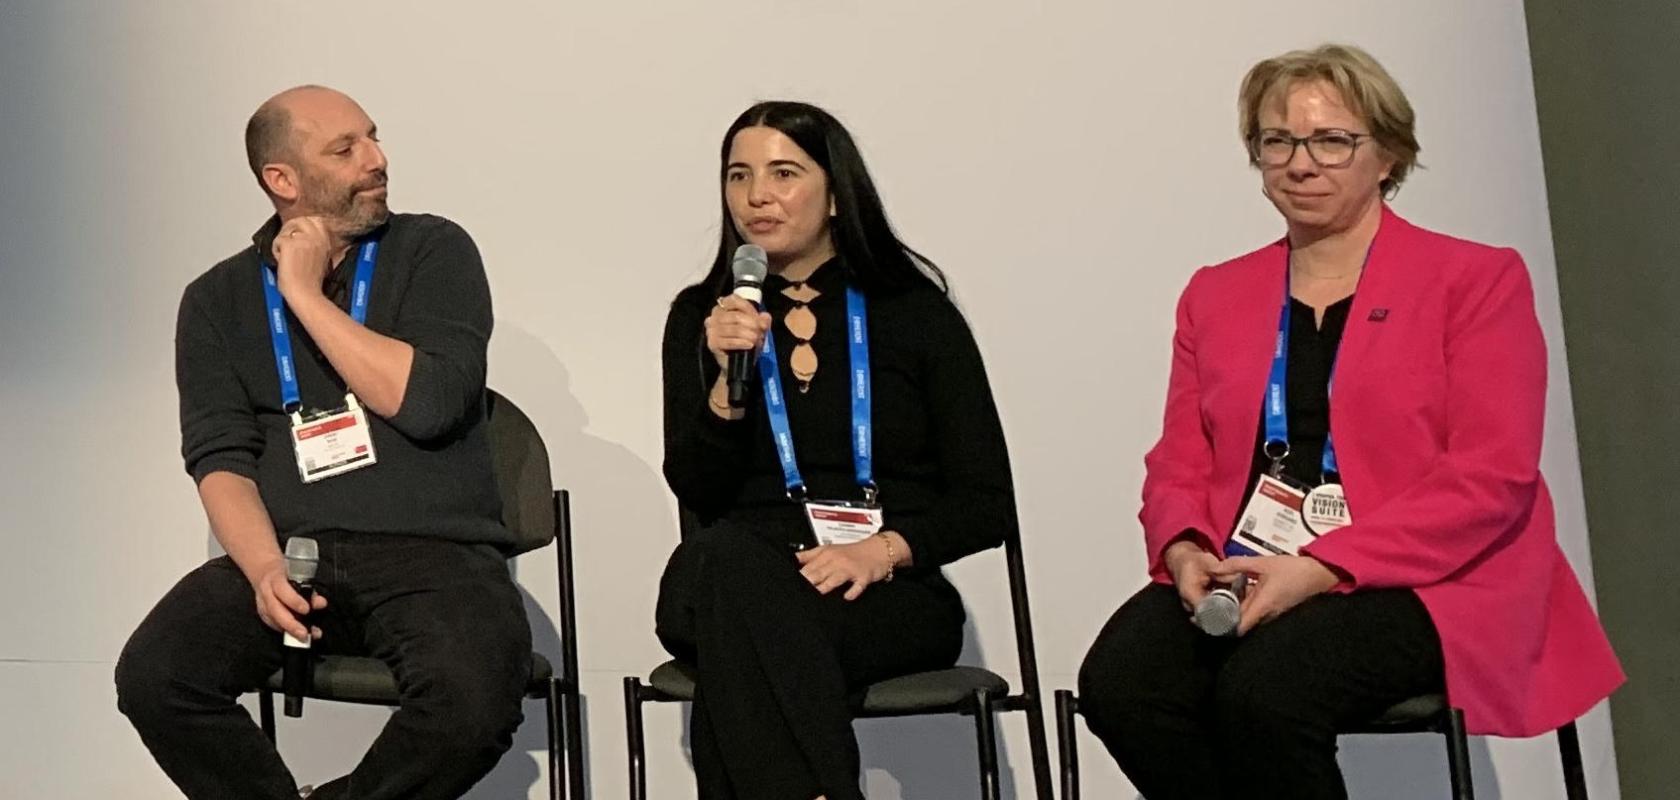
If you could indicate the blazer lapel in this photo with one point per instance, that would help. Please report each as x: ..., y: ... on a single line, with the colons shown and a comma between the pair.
x: 1379, y: 285
x: 1254, y: 316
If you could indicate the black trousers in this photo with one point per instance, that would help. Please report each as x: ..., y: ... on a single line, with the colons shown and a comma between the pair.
x: 1190, y: 716
x: 780, y: 666
x: 445, y: 616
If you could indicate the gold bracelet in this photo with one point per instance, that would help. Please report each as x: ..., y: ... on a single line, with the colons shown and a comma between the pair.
x: 892, y: 555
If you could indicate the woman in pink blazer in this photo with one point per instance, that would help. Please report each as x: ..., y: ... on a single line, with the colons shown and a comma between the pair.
x: 1423, y: 557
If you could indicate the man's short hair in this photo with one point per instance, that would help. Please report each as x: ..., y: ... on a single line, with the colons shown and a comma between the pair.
x: 268, y: 138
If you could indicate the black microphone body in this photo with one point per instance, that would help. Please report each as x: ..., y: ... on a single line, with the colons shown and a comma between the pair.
x: 749, y: 267
x: 740, y: 364
x: 295, y: 672
x: 302, y: 560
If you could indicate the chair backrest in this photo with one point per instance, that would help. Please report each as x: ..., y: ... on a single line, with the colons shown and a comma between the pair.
x: 1025, y: 652
x: 535, y: 512
x: 687, y: 522
x: 1031, y: 695
x: 520, y: 461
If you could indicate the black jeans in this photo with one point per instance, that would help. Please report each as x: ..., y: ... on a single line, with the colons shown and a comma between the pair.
x: 780, y: 666
x: 445, y: 616
x: 1191, y: 716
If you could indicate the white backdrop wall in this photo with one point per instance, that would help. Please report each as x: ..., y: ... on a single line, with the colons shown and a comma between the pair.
x: 1068, y: 163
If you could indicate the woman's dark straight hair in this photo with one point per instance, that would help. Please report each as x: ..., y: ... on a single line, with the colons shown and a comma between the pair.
x: 870, y: 253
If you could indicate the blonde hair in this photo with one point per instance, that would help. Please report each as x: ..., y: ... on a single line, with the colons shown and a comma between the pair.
x: 1365, y: 87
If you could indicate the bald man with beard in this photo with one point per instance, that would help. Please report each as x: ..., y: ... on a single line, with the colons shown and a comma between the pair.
x: 331, y: 380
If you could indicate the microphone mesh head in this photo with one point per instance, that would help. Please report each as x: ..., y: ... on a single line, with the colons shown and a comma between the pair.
x: 1218, y: 613
x: 750, y: 263
x: 303, y: 555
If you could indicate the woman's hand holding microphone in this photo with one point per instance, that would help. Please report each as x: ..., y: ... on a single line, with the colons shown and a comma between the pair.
x: 734, y: 326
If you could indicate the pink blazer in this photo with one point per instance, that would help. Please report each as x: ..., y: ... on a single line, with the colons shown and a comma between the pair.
x: 1437, y: 410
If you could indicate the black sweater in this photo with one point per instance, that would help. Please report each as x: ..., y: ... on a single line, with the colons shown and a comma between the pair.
x: 940, y: 459
x: 433, y: 476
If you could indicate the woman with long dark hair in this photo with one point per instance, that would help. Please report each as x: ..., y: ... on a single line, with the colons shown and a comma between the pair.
x: 867, y: 455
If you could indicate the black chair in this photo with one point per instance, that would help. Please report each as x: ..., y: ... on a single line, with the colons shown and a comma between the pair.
x: 960, y: 690
x: 537, y: 514
x: 1424, y: 714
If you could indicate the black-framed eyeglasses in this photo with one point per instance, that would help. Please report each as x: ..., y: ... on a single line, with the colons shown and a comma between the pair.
x: 1274, y: 147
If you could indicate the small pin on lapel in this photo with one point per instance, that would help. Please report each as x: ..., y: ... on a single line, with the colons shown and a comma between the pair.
x: 1378, y: 315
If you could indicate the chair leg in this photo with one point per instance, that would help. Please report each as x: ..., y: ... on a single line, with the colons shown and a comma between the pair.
x: 1038, y: 741
x: 571, y: 713
x: 633, y: 738
x: 265, y: 713
x: 1569, y: 749
x: 1458, y: 756
x: 1067, y: 743
x: 557, y: 733
x: 555, y: 763
x: 986, y: 742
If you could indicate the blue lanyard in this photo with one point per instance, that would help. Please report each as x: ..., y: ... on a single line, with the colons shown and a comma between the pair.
x: 863, y: 427
x: 1276, y: 402
x: 291, y: 398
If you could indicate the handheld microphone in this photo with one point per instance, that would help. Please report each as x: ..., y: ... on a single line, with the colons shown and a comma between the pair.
x: 1219, y: 612
x: 750, y: 267
x: 302, y: 558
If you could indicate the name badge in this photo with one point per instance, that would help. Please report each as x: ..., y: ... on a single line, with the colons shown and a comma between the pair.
x: 842, y: 522
x: 1271, y: 523
x: 1281, y: 518
x: 332, y: 443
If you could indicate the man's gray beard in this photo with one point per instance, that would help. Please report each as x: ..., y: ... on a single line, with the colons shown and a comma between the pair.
x: 350, y: 220
x: 360, y: 221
